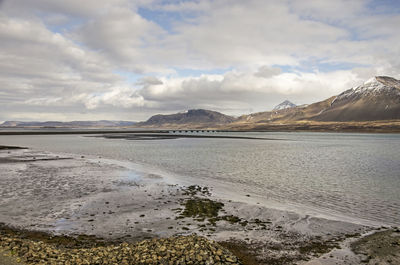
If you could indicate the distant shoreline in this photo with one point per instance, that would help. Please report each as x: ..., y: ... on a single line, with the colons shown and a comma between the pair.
x: 331, y: 128
x: 335, y: 127
x: 304, y: 126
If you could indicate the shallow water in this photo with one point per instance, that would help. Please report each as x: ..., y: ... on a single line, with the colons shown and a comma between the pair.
x: 354, y: 175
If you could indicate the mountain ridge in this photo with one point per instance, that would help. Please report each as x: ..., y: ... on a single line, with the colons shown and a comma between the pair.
x: 376, y: 99
x: 68, y: 124
x: 194, y: 117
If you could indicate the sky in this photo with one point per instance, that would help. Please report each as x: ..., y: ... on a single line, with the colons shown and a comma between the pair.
x: 128, y: 60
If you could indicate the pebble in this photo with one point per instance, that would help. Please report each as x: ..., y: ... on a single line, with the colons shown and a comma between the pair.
x: 191, y: 249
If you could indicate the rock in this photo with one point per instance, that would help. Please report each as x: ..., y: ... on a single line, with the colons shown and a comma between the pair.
x: 173, y: 250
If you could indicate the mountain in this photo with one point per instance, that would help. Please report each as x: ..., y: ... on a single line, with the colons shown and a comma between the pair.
x: 288, y: 115
x: 376, y: 99
x: 58, y: 124
x: 285, y: 105
x: 193, y: 118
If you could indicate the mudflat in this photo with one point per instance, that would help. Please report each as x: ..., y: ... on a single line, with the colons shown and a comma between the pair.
x: 73, y: 196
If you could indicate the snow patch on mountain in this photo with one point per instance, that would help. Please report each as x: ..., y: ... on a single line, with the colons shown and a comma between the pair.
x: 285, y: 105
x: 372, y: 87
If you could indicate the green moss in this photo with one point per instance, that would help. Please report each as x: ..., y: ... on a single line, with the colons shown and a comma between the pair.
x: 352, y: 235
x: 380, y: 245
x: 203, y: 208
x: 318, y: 247
x: 194, y: 189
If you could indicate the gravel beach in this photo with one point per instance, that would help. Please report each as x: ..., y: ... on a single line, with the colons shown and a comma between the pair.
x: 42, y: 248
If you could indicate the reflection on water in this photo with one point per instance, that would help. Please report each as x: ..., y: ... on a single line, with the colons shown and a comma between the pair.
x: 353, y: 174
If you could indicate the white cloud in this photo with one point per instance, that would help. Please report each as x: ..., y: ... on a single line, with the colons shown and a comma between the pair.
x: 245, y: 90
x: 59, y: 57
x: 123, y: 36
x: 149, y: 80
x: 117, y: 96
x: 329, y: 11
x: 267, y: 71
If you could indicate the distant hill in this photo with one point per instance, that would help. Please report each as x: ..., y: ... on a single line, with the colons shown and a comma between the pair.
x: 71, y: 124
x: 285, y: 105
x: 192, y: 118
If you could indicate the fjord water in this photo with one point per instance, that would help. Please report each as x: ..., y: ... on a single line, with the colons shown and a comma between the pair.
x: 352, y: 175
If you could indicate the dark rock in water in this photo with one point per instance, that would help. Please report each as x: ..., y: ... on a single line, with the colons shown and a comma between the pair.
x: 8, y: 147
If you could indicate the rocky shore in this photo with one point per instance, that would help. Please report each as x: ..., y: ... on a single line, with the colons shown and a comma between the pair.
x: 42, y: 248
x: 19, y: 246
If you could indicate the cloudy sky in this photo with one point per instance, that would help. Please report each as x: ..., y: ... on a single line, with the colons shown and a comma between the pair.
x: 129, y: 59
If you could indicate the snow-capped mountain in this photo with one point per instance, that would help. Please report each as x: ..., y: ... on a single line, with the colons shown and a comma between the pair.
x: 285, y: 105
x: 376, y: 99
x: 373, y: 87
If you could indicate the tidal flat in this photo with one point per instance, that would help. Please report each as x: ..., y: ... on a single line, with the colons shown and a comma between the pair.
x: 77, y: 196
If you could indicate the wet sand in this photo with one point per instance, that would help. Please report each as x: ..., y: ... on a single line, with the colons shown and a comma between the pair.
x: 73, y: 195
